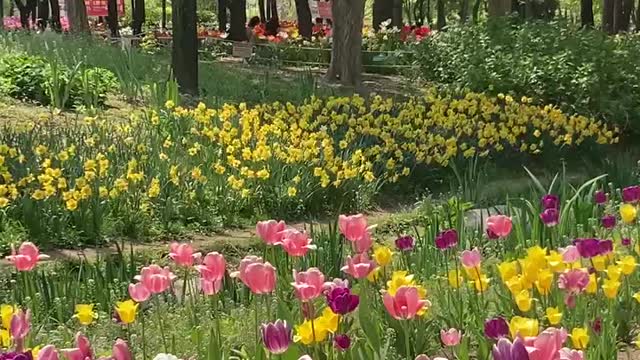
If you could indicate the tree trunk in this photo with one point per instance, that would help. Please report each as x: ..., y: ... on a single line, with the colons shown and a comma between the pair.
x: 1, y: 14
x: 396, y: 20
x: 419, y: 12
x: 262, y: 11
x: 163, y: 23
x: 43, y: 14
x: 273, y: 6
x: 238, y: 15
x: 442, y: 17
x: 77, y: 13
x: 222, y: 15
x: 607, y: 16
x: 23, y: 9
x: 33, y: 8
x: 184, y: 57
x: 346, y: 54
x: 139, y: 16
x: 464, y: 11
x: 305, y: 24
x: 112, y: 18
x: 429, y: 14
x: 586, y: 13
x: 499, y: 8
x: 55, y: 15
x: 627, y: 9
x: 382, y: 11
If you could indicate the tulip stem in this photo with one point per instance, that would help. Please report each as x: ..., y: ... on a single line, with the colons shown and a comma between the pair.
x: 407, y: 345
x: 144, y: 341
x: 257, y: 302
x: 161, y: 325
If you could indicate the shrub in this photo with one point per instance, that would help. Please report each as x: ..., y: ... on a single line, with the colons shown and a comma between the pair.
x: 582, y: 71
x: 24, y: 77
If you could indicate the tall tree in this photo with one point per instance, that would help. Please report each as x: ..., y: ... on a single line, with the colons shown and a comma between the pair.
x: 498, y: 8
x: 305, y: 24
x: 55, y: 15
x: 139, y: 16
x: 25, y: 11
x: 464, y: 10
x: 1, y: 14
x: 77, y: 13
x: 43, y: 14
x: 238, y: 20
x: 346, y: 51
x: 442, y: 16
x: 262, y: 11
x: 222, y: 15
x: 607, y: 16
x: 396, y: 19
x: 382, y: 11
x: 184, y: 55
x: 163, y: 21
x: 586, y: 13
x: 112, y: 18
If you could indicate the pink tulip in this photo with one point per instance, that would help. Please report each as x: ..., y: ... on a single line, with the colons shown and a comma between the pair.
x: 258, y: 276
x: 359, y: 266
x: 450, y: 337
x: 82, y: 351
x: 120, y: 351
x: 570, y: 254
x: 570, y: 354
x: 405, y: 304
x: 353, y: 227
x: 213, y: 267
x: 471, y: 258
x: 295, y: 243
x: 363, y: 244
x: 573, y: 281
x: 48, y: 353
x: 183, y: 254
x: 155, y: 278
x: 269, y: 231
x: 210, y: 287
x: 336, y: 283
x: 20, y: 326
x: 308, y: 284
x: 139, y: 293
x: 546, y: 345
x: 499, y: 226
x: 27, y: 257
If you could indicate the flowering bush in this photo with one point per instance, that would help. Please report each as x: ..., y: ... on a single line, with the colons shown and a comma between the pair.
x: 180, y: 166
x: 504, y: 294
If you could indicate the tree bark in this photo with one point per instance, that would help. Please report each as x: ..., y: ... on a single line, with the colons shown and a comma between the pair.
x: 429, y: 14
x: 464, y: 11
x: 607, y: 16
x: 139, y: 16
x: 77, y: 13
x: 419, y: 12
x: 1, y: 14
x: 163, y: 23
x: 112, y: 18
x: 238, y: 15
x: 346, y: 54
x: 627, y: 13
x: 262, y: 11
x: 273, y: 7
x: 586, y: 13
x: 499, y: 8
x: 43, y: 14
x: 33, y: 9
x: 442, y: 17
x: 305, y: 24
x: 382, y: 11
x: 184, y: 55
x: 396, y: 20
x: 55, y: 15
x: 222, y: 15
x: 23, y: 9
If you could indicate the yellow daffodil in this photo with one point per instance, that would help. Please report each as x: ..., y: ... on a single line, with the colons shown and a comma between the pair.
x: 580, y: 338
x: 524, y: 327
x: 553, y: 315
x: 524, y: 301
x: 383, y: 255
x: 85, y: 314
x: 127, y: 311
x: 628, y: 213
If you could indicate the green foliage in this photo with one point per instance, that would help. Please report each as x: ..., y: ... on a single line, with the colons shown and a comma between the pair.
x: 24, y: 77
x: 583, y: 71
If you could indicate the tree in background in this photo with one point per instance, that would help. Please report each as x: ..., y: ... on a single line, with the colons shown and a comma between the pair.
x: 184, y: 54
x: 222, y: 15
x: 1, y: 14
x: 55, y: 16
x: 138, y: 16
x: 382, y: 11
x: 43, y: 14
x: 441, y: 14
x: 346, y: 50
x: 112, y: 18
x: 238, y: 20
x: 305, y: 24
x: 25, y: 10
x: 163, y: 21
x: 586, y: 13
x: 77, y: 13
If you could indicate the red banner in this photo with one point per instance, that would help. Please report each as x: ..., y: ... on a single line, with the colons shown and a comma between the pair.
x: 99, y: 7
x: 324, y: 9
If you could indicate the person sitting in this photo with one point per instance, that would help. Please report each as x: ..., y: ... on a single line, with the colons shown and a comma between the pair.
x: 272, y: 26
x: 255, y: 21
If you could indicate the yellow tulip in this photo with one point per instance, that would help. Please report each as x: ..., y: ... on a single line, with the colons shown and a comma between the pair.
x: 127, y: 311
x: 455, y: 279
x: 524, y: 301
x: 6, y: 312
x: 637, y: 296
x: 628, y: 264
x: 383, y: 255
x: 592, y: 286
x: 85, y: 314
x: 599, y: 262
x: 523, y: 326
x: 554, y: 315
x: 508, y: 270
x: 580, y: 338
x: 545, y: 281
x: 628, y: 213
x: 610, y: 288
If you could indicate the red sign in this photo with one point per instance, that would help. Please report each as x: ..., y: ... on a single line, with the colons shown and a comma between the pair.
x: 324, y: 9
x: 99, y: 7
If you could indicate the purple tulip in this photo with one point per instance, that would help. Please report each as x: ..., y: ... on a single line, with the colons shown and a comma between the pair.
x: 596, y: 326
x: 600, y: 197
x: 608, y: 221
x: 447, y: 239
x: 550, y: 201
x: 276, y: 336
x: 587, y: 248
x: 605, y: 247
x: 505, y: 350
x: 550, y: 217
x: 626, y: 242
x: 404, y: 243
x: 17, y: 356
x: 496, y: 328
x: 631, y: 194
x: 491, y: 235
x: 342, y: 301
x: 342, y: 341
